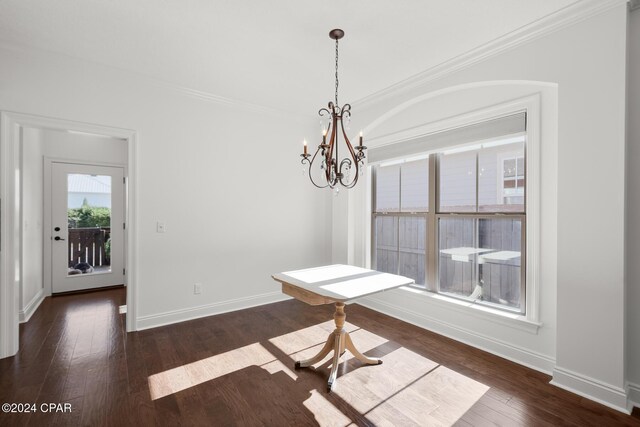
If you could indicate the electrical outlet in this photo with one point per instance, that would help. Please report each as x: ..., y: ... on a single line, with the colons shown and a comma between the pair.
x: 197, y: 289
x: 161, y: 227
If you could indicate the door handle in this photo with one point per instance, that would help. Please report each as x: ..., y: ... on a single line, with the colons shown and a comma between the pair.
x: 58, y: 238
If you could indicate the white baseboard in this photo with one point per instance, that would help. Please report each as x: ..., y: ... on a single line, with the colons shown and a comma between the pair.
x: 634, y: 394
x: 491, y: 345
x: 25, y: 314
x: 176, y: 316
x: 606, y: 394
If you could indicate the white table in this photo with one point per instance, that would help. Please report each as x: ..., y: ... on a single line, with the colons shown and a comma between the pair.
x: 337, y: 284
x: 500, y: 256
x: 464, y: 254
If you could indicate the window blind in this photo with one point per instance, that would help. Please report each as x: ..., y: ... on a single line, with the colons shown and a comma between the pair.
x: 486, y: 130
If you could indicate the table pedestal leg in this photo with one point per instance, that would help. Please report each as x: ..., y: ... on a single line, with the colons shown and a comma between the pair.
x: 339, y: 341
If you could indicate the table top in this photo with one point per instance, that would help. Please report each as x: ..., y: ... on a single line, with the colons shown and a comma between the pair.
x: 499, y: 256
x: 464, y: 251
x: 337, y: 283
x: 464, y: 254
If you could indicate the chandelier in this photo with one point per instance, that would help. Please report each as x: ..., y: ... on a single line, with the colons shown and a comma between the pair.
x: 335, y: 171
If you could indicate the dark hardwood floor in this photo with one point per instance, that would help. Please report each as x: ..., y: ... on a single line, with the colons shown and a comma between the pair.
x: 237, y: 369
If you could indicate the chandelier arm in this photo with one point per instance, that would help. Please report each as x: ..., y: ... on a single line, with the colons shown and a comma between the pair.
x: 348, y: 143
x: 345, y: 111
x: 310, y: 163
x: 353, y: 182
x: 346, y: 161
x: 353, y: 154
x: 326, y: 152
x: 333, y: 146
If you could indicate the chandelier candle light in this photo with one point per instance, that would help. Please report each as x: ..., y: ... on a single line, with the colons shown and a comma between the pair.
x: 335, y: 171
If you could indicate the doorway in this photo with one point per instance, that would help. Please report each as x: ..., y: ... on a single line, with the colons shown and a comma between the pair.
x: 18, y: 222
x: 86, y: 234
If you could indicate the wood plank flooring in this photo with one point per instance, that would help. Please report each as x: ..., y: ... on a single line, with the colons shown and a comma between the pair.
x: 237, y: 369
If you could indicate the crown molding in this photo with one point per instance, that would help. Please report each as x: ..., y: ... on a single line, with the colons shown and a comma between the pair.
x: 221, y: 100
x: 165, y: 85
x: 563, y: 18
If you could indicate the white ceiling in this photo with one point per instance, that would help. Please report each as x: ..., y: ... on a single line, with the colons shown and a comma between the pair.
x: 274, y: 53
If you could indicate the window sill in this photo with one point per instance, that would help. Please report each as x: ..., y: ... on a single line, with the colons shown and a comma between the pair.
x: 513, y: 320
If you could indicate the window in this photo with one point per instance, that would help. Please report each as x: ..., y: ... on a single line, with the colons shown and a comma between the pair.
x: 401, y: 204
x: 513, y: 181
x: 455, y: 219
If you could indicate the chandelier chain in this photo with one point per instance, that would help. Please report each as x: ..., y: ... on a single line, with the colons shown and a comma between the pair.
x: 336, y: 72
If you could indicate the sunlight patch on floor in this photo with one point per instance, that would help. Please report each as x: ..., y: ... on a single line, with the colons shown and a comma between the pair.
x: 324, y: 412
x: 277, y: 366
x: 183, y: 377
x: 439, y: 398
x: 366, y: 388
x: 305, y: 338
x: 363, y: 340
x: 407, y: 389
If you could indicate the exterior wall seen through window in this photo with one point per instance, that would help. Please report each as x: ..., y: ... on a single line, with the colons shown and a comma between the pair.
x: 473, y: 201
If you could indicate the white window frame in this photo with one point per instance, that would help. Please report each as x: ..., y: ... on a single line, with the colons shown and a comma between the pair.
x: 531, y: 105
x: 400, y: 213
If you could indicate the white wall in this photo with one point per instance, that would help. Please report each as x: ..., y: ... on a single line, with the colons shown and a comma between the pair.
x: 32, y: 287
x: 84, y: 148
x: 590, y: 347
x: 582, y: 254
x: 633, y: 209
x: 225, y: 178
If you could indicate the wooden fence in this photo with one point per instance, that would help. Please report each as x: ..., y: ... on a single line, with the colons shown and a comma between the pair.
x: 499, y: 279
x: 88, y: 245
x: 400, y: 248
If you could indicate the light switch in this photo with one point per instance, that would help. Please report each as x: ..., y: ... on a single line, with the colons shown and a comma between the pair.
x: 161, y: 227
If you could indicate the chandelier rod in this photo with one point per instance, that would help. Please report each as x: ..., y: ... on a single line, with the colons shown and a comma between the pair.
x: 337, y: 82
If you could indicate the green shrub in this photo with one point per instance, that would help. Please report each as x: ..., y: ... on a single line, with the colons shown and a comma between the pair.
x: 107, y: 249
x: 87, y: 216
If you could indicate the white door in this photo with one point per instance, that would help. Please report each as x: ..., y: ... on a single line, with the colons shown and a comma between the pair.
x: 87, y: 221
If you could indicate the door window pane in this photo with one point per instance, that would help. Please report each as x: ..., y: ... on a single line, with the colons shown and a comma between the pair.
x: 501, y: 178
x: 412, y: 247
x: 386, y: 240
x: 415, y: 186
x: 89, y: 224
x: 458, y: 182
x: 388, y: 188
